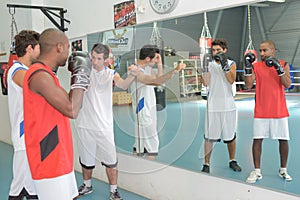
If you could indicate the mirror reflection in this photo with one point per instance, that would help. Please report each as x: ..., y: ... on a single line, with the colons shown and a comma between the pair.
x: 181, y: 100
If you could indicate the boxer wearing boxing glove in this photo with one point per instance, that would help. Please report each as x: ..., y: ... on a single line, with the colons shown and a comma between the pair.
x: 220, y: 105
x: 221, y: 57
x: 273, y: 62
x: 249, y: 58
x: 80, y: 67
x: 47, y: 109
x: 270, y: 108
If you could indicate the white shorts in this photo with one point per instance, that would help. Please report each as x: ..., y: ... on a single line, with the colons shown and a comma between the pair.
x: 60, y: 188
x: 220, y: 125
x: 146, y: 138
x: 89, y: 141
x: 21, y: 175
x: 275, y: 128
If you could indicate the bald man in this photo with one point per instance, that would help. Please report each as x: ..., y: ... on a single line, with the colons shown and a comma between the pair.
x: 47, y: 109
x: 270, y: 112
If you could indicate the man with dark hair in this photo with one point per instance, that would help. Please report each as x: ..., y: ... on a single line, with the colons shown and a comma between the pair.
x: 95, y: 121
x: 27, y: 49
x: 47, y: 109
x: 270, y: 112
x: 221, y: 115
x: 144, y: 101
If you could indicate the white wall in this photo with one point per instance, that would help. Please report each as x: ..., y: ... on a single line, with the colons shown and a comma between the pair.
x: 23, y: 20
x: 98, y: 15
x: 161, y: 182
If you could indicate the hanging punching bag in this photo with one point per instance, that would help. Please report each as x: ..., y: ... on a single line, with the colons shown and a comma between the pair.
x: 5, y: 67
x: 205, y: 57
x: 160, y: 91
x: 205, y: 44
x: 13, y: 55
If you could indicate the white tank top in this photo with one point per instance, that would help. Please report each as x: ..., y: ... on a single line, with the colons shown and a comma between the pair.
x: 15, y: 107
x: 144, y: 100
x: 97, y: 111
x: 220, y: 96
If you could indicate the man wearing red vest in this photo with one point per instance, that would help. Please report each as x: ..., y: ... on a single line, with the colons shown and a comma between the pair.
x: 270, y: 112
x: 47, y: 109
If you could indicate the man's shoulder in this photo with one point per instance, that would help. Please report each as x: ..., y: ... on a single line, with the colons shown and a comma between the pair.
x: 37, y: 66
x: 17, y: 65
x: 231, y: 61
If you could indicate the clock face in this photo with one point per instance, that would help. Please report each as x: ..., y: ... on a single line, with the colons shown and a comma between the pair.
x: 163, y: 6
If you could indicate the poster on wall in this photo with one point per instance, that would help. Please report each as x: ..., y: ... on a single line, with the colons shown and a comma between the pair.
x: 124, y: 14
x: 77, y: 45
x: 119, y: 40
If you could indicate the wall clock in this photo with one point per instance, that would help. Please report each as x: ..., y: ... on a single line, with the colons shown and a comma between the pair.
x: 163, y: 6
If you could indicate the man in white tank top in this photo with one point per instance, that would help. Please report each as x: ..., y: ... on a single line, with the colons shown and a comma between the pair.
x: 144, y: 100
x: 221, y: 115
x: 95, y: 121
x: 27, y: 49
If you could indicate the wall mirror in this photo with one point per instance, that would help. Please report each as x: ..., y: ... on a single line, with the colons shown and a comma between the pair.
x: 181, y: 122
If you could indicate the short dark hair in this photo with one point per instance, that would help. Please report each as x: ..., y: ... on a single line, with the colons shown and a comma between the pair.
x: 221, y: 42
x: 270, y: 42
x: 101, y: 48
x: 148, y: 51
x: 24, y: 39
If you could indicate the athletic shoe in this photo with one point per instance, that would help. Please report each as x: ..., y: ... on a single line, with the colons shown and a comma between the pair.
x: 234, y: 166
x: 253, y: 177
x: 283, y: 174
x: 205, y: 168
x: 115, y: 195
x: 83, y: 189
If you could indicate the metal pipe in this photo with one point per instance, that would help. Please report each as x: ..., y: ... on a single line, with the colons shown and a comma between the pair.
x: 46, y: 10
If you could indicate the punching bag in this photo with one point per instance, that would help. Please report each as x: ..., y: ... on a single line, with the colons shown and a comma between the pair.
x: 160, y: 91
x: 5, y: 67
x: 13, y: 55
x: 205, y: 44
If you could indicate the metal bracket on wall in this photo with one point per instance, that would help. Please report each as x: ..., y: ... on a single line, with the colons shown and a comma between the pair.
x: 47, y: 11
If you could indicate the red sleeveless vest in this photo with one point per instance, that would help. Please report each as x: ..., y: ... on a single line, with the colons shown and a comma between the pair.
x: 48, y: 137
x: 270, y: 99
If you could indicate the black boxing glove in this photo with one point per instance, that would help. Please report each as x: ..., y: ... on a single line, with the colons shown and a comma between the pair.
x: 273, y: 62
x: 80, y: 66
x: 221, y: 57
x: 249, y: 58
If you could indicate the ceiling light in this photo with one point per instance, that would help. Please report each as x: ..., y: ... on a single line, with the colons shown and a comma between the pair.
x: 278, y: 1
x: 259, y: 5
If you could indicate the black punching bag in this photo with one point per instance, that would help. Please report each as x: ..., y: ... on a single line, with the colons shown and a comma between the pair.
x: 160, y: 91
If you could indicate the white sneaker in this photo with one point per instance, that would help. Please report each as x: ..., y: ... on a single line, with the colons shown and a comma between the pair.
x: 253, y: 177
x: 83, y: 189
x: 283, y: 174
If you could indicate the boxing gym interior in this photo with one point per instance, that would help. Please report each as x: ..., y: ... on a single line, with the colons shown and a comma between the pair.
x: 181, y: 101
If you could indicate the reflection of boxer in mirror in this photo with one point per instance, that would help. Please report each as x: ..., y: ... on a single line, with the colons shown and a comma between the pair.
x: 95, y: 121
x: 144, y: 102
x: 27, y: 49
x: 221, y: 115
x: 270, y: 112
